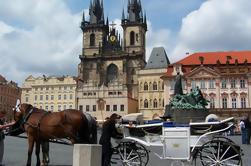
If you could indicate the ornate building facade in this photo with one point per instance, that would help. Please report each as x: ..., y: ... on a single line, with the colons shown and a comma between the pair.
x: 9, y: 93
x: 223, y: 77
x: 151, y: 86
x: 50, y: 93
x: 107, y: 73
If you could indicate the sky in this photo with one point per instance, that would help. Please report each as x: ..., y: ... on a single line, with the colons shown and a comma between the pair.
x: 42, y: 37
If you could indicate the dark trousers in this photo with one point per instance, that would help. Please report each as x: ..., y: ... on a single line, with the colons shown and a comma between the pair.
x: 106, y: 154
x: 245, y: 134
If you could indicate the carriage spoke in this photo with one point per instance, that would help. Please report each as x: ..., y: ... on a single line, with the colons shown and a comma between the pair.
x: 129, y: 154
x: 218, y: 152
x: 225, y: 152
x: 229, y: 158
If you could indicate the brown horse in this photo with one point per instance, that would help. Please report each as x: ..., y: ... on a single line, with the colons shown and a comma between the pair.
x: 41, y: 125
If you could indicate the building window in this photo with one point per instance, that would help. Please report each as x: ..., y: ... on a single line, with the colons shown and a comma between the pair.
x: 146, y: 103
x: 202, y: 84
x: 52, y: 108
x: 155, y: 103
x: 107, y: 107
x: 242, y: 84
x: 212, y: 103
x: 70, y: 96
x: 224, y: 84
x: 243, y: 102
x: 224, y: 103
x: 65, y: 107
x: 41, y: 97
x: 46, y: 108
x: 52, y: 97
x: 59, y: 97
x: 65, y: 87
x: 27, y: 99
x: 193, y: 84
x: 211, y: 84
x: 132, y: 38
x: 162, y: 85
x: 87, y: 108
x: 35, y: 97
x: 233, y: 83
x: 65, y: 97
x: 46, y: 97
x: 70, y: 106
x: 155, y: 86
x: 122, y: 107
x: 92, y: 39
x: 114, y: 107
x: 234, y: 103
x: 145, y: 86
x: 81, y: 108
x: 112, y: 73
x: 94, y: 108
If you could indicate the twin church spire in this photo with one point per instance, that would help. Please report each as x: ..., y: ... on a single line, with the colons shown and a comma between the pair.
x: 96, y: 13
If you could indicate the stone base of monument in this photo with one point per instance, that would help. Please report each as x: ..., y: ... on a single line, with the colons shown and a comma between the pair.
x: 186, y: 116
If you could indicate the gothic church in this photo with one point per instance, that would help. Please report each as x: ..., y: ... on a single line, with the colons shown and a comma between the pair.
x: 108, y: 71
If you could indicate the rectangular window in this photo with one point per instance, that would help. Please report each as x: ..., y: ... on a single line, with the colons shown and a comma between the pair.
x: 243, y: 102
x: 122, y: 107
x: 193, y: 84
x: 224, y: 103
x: 27, y: 99
x: 234, y: 103
x: 242, y: 84
x: 107, y: 108
x: 65, y: 97
x: 233, y: 83
x: 70, y: 96
x: 223, y: 84
x: 41, y: 97
x: 35, y: 97
x: 46, y: 108
x: 87, y: 108
x: 94, y: 108
x: 65, y: 107
x: 52, y: 97
x: 59, y: 97
x: 52, y: 108
x: 202, y: 84
x: 70, y: 106
x: 212, y: 103
x: 47, y: 97
x: 211, y: 84
x: 81, y: 108
x: 114, y: 107
x: 59, y: 107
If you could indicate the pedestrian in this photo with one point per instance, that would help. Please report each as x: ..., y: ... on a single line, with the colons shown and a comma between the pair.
x: 109, y: 131
x: 242, y: 129
x: 2, y: 136
x: 247, y: 130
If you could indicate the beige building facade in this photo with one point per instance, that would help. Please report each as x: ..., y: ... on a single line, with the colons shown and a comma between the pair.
x: 151, y: 86
x: 107, y: 74
x: 50, y: 93
x: 223, y: 77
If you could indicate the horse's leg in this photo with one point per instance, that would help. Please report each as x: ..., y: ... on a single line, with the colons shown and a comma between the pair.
x: 30, y: 149
x: 37, y: 152
x: 45, y: 150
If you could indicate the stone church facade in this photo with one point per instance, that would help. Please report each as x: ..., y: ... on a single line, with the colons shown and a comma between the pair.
x: 108, y: 71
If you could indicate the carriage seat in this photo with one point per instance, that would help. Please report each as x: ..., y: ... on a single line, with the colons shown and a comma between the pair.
x: 199, y: 128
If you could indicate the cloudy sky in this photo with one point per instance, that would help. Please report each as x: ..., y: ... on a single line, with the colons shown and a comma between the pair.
x: 43, y: 36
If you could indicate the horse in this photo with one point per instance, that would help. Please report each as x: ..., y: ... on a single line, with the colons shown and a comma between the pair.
x: 41, y: 125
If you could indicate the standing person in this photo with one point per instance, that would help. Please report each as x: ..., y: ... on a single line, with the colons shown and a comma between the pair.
x: 243, y: 134
x: 247, y: 130
x: 108, y: 131
x: 2, y: 127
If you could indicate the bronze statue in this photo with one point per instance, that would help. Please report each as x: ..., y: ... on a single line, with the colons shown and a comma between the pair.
x: 178, y: 85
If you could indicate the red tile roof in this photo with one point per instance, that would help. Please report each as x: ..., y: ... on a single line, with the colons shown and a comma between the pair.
x: 213, y: 57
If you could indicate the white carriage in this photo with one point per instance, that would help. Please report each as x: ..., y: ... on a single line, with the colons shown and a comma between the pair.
x: 191, y: 143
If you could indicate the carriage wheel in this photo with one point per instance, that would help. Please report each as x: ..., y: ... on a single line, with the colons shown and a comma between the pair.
x: 125, y: 154
x: 220, y: 153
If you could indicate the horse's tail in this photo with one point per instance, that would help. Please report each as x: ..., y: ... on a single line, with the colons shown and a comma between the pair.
x: 88, y: 129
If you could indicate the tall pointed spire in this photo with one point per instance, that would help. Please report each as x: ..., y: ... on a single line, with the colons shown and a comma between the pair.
x: 96, y: 12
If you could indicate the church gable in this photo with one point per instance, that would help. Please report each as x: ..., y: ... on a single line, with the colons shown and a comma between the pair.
x: 203, y: 72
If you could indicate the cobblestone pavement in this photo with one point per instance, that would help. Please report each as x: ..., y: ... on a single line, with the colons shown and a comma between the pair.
x: 61, y: 155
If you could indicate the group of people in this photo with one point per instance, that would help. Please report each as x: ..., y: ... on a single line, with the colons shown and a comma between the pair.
x: 245, y: 126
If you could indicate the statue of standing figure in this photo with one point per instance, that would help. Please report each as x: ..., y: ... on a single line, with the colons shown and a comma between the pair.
x: 178, y: 85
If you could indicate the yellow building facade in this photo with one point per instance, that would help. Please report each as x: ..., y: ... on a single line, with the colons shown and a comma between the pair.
x: 50, y: 93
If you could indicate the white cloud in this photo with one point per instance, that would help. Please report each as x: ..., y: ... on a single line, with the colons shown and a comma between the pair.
x: 49, y: 44
x: 215, y: 26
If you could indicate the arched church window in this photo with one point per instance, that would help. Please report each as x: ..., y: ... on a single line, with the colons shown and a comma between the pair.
x: 132, y: 38
x: 155, y: 86
x: 92, y: 39
x: 145, y: 86
x: 146, y: 103
x: 112, y: 73
x: 155, y: 103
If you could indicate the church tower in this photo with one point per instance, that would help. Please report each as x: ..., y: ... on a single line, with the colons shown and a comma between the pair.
x: 95, y: 30
x: 135, y: 27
